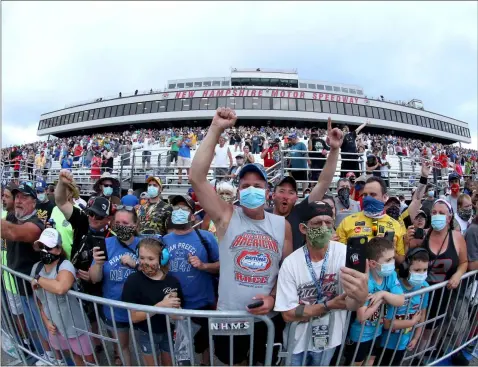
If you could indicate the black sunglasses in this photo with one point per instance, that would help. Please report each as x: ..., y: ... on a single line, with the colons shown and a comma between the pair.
x: 96, y: 216
x: 107, y: 185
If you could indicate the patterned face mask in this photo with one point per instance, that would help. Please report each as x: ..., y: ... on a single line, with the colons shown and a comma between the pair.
x: 228, y: 198
x: 124, y: 233
x: 465, y: 214
x: 344, y: 196
x: 319, y: 237
x: 149, y: 269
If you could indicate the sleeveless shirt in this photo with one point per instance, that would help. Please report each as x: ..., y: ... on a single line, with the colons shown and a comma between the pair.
x: 249, y: 254
x: 443, y: 266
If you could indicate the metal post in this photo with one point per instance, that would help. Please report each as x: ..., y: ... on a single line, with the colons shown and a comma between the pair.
x: 132, y: 168
x: 401, y: 166
x: 121, y: 173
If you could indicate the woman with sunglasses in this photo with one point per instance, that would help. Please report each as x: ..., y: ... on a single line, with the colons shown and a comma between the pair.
x: 153, y: 286
x: 53, y: 277
x: 113, y: 268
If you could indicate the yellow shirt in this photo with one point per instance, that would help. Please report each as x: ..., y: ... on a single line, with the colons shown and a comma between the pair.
x: 193, y: 138
x: 358, y: 224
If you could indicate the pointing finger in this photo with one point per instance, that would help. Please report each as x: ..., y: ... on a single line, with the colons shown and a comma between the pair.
x: 329, y: 124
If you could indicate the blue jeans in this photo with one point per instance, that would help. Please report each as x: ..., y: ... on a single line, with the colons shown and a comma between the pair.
x: 160, y: 342
x: 313, y: 358
x: 33, y: 321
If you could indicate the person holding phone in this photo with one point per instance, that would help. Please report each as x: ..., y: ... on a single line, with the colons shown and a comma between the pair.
x: 314, y: 286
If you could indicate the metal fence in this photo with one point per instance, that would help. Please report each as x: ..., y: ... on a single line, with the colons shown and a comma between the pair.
x: 27, y: 338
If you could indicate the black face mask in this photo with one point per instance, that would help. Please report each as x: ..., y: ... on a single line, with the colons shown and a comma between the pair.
x: 48, y: 258
x: 344, y: 196
x: 394, y: 212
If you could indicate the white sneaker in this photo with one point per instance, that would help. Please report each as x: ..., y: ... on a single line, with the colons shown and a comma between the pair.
x: 49, y: 356
x: 60, y: 362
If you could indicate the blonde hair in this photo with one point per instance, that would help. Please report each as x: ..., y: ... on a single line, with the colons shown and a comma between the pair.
x: 226, y: 186
x: 158, y: 246
x: 462, y: 198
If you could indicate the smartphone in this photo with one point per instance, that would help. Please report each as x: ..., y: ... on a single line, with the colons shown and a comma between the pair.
x: 99, y: 241
x: 390, y: 235
x: 356, y: 256
x: 255, y: 304
x: 419, y: 233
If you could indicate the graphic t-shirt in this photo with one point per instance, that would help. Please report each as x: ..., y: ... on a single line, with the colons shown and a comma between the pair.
x: 348, y: 145
x: 44, y: 210
x: 143, y: 290
x: 185, y: 150
x: 295, y: 287
x: 401, y: 314
x: 389, y: 284
x: 197, y: 285
x: 115, y: 274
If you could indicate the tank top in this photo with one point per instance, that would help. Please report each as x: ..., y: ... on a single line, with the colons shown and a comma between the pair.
x: 443, y: 266
x: 463, y: 225
x: 221, y: 159
x: 249, y: 254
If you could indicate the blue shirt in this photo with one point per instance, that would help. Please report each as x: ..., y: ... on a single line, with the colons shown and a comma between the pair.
x: 129, y: 200
x: 197, y: 285
x: 184, y: 150
x: 389, y: 284
x: 298, y: 163
x: 115, y: 274
x: 400, y: 315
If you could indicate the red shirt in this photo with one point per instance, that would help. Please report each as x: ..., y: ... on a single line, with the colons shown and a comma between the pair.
x: 443, y: 160
x: 269, y: 158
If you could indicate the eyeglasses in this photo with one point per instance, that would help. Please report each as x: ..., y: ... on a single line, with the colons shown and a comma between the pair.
x: 125, y: 207
x: 184, y: 207
x: 107, y: 185
x: 96, y: 216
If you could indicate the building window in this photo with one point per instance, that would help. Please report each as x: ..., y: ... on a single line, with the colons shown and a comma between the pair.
x: 345, y: 90
x: 162, y: 105
x: 120, y: 110
x: 212, y: 104
x: 197, y: 84
x: 206, y: 84
x: 348, y: 109
x: 102, y: 113
x: 127, y: 108
x: 189, y: 85
x: 309, y: 106
x: 132, y: 110
x: 404, y: 117
x: 147, y: 107
x: 256, y: 103
x: 172, y: 86
x: 352, y: 91
x: 375, y: 113
x: 239, y: 103
x: 301, y: 104
x: 216, y: 83
x: 226, y: 83
x: 328, y: 88
x: 222, y: 102
x: 186, y: 104
x: 75, y: 118
x: 154, y: 106
x: 409, y: 118
x: 180, y: 85
x: 368, y: 109
x: 170, y: 105
x: 231, y: 102
x: 336, y: 89
x: 333, y: 107
x: 114, y: 109
x: 266, y: 103
x: 316, y: 103
x: 195, y: 105
x: 399, y: 116
x: 381, y: 114
x: 292, y: 104
x: 414, y: 120
x: 139, y: 108
x: 325, y: 106
x: 387, y: 115
x: 248, y: 103
x: 303, y: 85
x: 362, y: 111
x: 178, y: 105
x: 311, y: 86
x: 96, y: 114
x: 360, y: 92
x: 320, y: 87
x: 108, y: 112
x: 276, y: 103
x: 355, y: 110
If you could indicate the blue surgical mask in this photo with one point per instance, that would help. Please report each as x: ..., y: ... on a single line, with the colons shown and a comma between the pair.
x: 372, y: 207
x: 41, y: 197
x: 107, y: 191
x: 417, y: 279
x: 386, y: 269
x: 180, y: 216
x: 153, y: 191
x: 252, y: 197
x: 431, y: 194
x: 438, y: 221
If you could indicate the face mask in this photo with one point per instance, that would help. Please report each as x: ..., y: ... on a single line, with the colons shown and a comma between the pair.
x: 41, y: 197
x: 394, y: 212
x: 372, y: 207
x: 386, y: 269
x: 438, y: 221
x: 416, y: 279
x: 124, y: 233
x: 180, y: 216
x: 47, y: 258
x: 149, y: 269
x: 344, y: 196
x: 107, y: 191
x: 455, y: 188
x: 228, y: 198
x: 319, y: 237
x: 431, y: 194
x: 153, y: 191
x: 465, y: 214
x: 25, y: 217
x: 252, y: 197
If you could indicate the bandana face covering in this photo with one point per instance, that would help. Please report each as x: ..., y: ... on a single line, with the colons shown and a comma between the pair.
x: 465, y: 214
x: 319, y: 237
x: 149, y: 270
x: 344, y: 196
x: 372, y: 207
x: 394, y: 212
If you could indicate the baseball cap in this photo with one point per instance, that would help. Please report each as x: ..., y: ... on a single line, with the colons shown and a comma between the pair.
x: 50, y: 238
x: 287, y: 179
x: 155, y: 179
x: 422, y: 213
x: 40, y: 186
x: 453, y: 176
x: 25, y: 189
x: 314, y: 209
x: 292, y: 136
x: 362, y: 178
x: 253, y: 167
x: 99, y: 206
x: 175, y: 200
x: 239, y: 156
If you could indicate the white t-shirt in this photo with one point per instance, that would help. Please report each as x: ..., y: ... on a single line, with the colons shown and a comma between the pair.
x: 221, y: 158
x: 295, y: 286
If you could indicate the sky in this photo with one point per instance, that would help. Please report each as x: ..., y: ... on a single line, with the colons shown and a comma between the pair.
x: 56, y: 53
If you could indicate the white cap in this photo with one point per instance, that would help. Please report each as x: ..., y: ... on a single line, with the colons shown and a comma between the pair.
x: 50, y: 238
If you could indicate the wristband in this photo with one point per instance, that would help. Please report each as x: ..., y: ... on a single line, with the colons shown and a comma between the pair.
x: 37, y: 277
x: 423, y: 180
x: 326, y: 308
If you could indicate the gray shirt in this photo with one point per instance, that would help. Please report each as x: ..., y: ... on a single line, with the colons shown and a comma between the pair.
x: 249, y: 254
x: 471, y: 239
x: 341, y: 211
x: 65, y: 314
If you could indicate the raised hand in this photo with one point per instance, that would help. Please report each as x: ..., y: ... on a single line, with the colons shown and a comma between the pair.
x: 426, y: 166
x: 224, y: 118
x: 65, y: 176
x: 335, y: 136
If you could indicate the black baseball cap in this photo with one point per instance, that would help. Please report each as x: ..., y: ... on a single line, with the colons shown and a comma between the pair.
x: 422, y: 213
x: 175, y: 200
x: 25, y: 189
x: 287, y: 179
x: 314, y: 209
x: 99, y: 206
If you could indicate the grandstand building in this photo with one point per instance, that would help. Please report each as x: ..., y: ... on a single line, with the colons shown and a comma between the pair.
x: 260, y: 97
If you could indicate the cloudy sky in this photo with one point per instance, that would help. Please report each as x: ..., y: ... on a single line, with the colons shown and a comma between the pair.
x: 56, y: 53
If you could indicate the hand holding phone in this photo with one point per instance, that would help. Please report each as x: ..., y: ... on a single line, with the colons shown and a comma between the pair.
x: 255, y: 304
x: 419, y: 233
x: 356, y: 256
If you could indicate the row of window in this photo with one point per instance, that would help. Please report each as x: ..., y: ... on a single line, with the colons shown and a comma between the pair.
x: 211, y: 83
x: 254, y: 103
x: 329, y: 88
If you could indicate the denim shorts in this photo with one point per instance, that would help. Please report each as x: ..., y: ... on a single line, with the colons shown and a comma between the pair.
x: 322, y: 358
x: 120, y: 326
x: 160, y: 342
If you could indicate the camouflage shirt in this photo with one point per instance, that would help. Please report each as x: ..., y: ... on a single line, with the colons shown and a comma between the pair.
x: 154, y: 216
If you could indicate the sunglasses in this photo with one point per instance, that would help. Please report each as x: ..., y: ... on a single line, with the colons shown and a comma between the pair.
x: 107, y: 185
x: 97, y: 217
x: 125, y: 207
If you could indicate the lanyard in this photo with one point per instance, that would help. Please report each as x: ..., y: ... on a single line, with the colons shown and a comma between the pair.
x: 317, y: 283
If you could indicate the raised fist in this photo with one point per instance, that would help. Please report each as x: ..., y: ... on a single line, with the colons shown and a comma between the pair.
x: 65, y: 176
x: 224, y: 118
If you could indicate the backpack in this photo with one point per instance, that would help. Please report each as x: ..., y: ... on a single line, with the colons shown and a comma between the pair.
x: 39, y: 268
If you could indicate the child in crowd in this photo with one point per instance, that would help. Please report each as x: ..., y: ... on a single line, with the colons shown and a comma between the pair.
x: 384, y: 288
x: 399, y: 334
x: 152, y: 286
